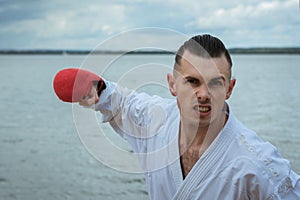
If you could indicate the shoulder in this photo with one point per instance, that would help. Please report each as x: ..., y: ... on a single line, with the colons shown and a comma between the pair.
x: 260, y: 156
x: 254, y: 162
x: 250, y: 148
x: 257, y: 167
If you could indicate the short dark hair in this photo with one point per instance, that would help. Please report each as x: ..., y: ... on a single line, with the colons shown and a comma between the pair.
x: 206, y: 46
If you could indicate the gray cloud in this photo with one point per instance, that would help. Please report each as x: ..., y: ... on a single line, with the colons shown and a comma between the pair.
x: 84, y: 24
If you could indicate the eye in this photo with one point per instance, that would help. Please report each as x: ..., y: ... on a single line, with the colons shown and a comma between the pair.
x: 192, y: 81
x: 216, y: 82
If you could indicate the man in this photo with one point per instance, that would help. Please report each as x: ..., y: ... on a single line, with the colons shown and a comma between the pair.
x: 194, y: 147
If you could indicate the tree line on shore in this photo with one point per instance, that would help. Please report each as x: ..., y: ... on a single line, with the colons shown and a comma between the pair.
x: 264, y: 50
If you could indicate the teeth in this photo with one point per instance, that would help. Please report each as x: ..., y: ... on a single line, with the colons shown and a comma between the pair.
x: 203, y: 109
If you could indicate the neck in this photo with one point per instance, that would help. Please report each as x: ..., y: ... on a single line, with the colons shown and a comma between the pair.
x: 200, y: 138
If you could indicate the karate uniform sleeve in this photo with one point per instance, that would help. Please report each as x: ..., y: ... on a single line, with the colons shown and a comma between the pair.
x: 245, y: 179
x: 134, y: 116
x: 257, y: 183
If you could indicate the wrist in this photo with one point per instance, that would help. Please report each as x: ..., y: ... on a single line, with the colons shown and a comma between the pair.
x: 100, y: 86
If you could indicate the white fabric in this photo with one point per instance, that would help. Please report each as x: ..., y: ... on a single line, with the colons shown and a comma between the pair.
x: 237, y: 165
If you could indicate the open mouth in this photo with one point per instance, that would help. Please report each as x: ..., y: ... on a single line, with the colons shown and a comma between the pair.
x: 202, y: 109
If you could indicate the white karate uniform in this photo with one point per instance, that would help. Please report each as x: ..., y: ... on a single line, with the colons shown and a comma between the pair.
x: 237, y: 165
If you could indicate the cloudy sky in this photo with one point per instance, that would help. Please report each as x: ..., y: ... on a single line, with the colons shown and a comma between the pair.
x: 77, y: 24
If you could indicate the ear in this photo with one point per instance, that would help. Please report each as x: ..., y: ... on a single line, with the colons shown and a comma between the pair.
x: 171, y: 83
x: 230, y: 89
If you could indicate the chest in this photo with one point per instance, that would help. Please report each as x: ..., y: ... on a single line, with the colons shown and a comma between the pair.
x: 187, y: 160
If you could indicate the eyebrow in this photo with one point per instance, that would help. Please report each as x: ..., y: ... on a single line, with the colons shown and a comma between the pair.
x: 190, y: 77
x: 213, y: 79
x: 218, y: 78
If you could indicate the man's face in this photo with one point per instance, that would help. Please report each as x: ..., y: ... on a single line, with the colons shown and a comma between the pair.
x: 201, y: 86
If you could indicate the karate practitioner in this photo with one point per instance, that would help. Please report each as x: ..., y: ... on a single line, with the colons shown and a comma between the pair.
x: 190, y: 147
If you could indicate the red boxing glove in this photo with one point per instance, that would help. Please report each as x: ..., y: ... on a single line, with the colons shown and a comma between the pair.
x: 72, y: 84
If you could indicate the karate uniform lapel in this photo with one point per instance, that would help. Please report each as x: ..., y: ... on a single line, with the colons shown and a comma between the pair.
x: 206, y: 163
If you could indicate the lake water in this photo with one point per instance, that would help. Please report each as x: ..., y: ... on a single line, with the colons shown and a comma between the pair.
x: 42, y: 157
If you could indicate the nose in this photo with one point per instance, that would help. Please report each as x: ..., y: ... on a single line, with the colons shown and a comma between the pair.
x: 202, y: 93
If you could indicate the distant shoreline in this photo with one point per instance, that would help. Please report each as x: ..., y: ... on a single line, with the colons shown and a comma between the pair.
x: 292, y: 50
